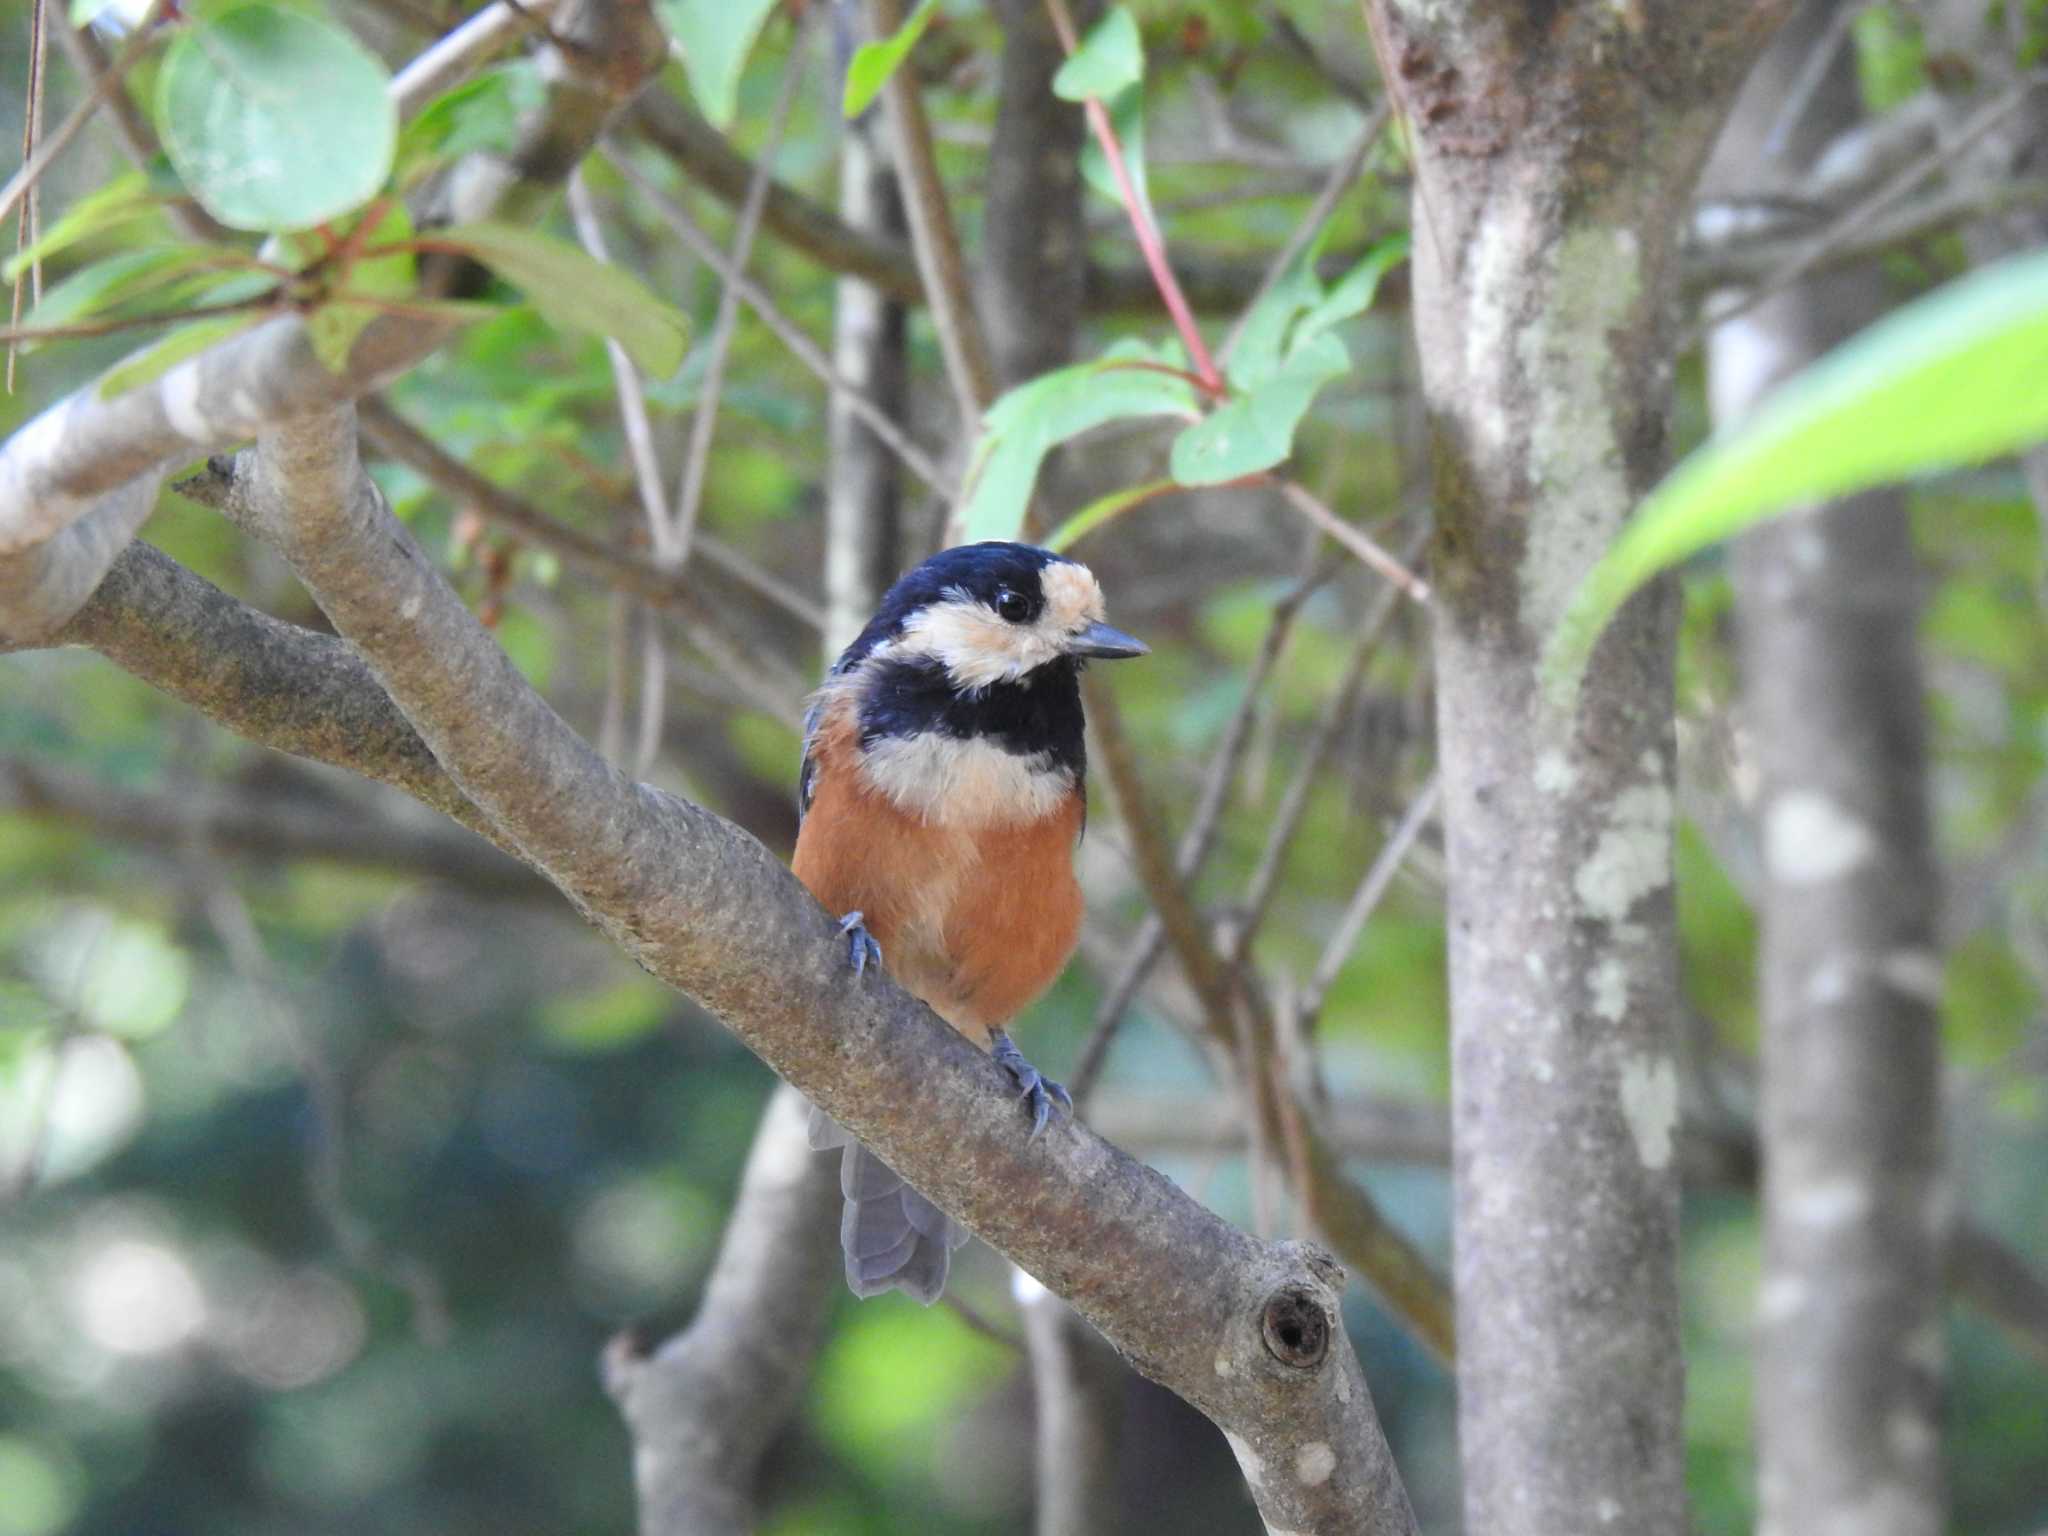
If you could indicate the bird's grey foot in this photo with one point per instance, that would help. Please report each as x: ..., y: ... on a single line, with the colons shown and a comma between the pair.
x: 862, y: 944
x: 1037, y: 1090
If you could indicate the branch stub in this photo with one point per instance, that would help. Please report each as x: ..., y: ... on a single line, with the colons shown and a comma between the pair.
x: 1296, y: 1327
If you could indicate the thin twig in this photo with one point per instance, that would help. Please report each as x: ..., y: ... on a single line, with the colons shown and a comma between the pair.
x: 1879, y: 202
x: 933, y: 239
x: 638, y: 431
x: 448, y: 61
x: 227, y: 914
x: 1367, y: 897
x: 633, y: 418
x: 1150, y: 243
x: 624, y: 569
x: 704, y: 415
x: 50, y: 148
x: 1811, y: 73
x: 806, y: 351
x: 27, y: 227
x: 1265, y: 879
x: 132, y: 128
x: 1354, y: 539
x: 1343, y: 176
x: 1200, y: 837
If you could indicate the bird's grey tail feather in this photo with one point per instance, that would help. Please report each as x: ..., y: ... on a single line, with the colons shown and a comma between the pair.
x: 893, y: 1238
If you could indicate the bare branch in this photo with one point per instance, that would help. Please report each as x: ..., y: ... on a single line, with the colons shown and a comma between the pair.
x: 786, y: 331
x: 705, y: 1406
x: 269, y: 681
x: 705, y: 907
x: 1077, y: 1398
x: 302, y: 826
x: 625, y: 569
x: 933, y: 239
x: 453, y: 58
x: 682, y: 522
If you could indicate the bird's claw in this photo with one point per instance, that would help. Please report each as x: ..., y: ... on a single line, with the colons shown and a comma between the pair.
x: 862, y: 945
x: 1036, y: 1089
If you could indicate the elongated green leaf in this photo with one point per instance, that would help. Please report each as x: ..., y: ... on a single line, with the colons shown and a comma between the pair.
x: 1955, y: 378
x: 715, y: 37
x: 275, y: 119
x: 1110, y: 58
x: 123, y: 200
x: 577, y: 292
x: 1354, y: 291
x: 187, y: 341
x: 106, y: 284
x: 1262, y: 341
x: 873, y: 63
x: 1031, y: 420
x: 1256, y: 431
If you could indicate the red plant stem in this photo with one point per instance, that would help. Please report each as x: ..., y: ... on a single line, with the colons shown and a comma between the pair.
x: 1154, y: 250
x: 1149, y: 243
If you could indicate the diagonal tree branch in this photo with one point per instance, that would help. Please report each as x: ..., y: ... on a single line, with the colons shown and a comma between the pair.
x: 705, y: 907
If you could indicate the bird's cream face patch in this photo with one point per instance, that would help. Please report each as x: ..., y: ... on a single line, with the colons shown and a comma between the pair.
x: 980, y: 648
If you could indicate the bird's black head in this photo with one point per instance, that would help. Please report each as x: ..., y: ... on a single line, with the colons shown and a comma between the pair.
x: 993, y: 613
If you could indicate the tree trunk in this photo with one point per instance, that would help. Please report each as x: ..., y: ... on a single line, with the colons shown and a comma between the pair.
x: 1557, y: 149
x: 1849, y: 1339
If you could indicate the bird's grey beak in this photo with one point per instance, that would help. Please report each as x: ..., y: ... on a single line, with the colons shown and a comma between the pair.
x: 1106, y: 644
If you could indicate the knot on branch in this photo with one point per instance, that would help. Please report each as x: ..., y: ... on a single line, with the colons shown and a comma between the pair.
x: 1297, y: 1327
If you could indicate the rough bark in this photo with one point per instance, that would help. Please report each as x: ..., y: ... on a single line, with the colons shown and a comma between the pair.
x: 706, y: 1405
x: 1557, y: 150
x: 1077, y: 1408
x: 1849, y: 1337
x: 1246, y: 1331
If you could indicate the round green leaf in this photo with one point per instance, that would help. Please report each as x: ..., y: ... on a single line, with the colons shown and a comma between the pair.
x: 275, y: 121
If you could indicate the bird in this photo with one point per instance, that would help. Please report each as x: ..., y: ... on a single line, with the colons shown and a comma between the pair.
x: 941, y: 797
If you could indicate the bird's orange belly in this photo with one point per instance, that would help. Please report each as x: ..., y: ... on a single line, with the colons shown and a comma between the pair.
x: 977, y: 923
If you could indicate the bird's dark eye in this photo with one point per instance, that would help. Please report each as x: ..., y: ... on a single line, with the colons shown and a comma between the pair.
x: 1014, y: 606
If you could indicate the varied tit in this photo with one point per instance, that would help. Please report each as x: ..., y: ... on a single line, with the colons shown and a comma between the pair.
x: 942, y: 797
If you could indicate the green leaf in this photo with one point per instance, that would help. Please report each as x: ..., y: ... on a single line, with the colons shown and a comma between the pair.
x: 1102, y: 510
x: 1262, y: 341
x: 1954, y: 378
x: 158, y: 359
x: 123, y: 200
x: 100, y: 287
x: 1256, y: 431
x: 715, y: 37
x: 483, y: 113
x: 274, y: 119
x: 577, y: 292
x: 1111, y: 57
x: 1031, y: 420
x: 1296, y: 309
x: 873, y: 63
x: 1355, y: 290
x: 332, y: 328
x: 1127, y: 117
